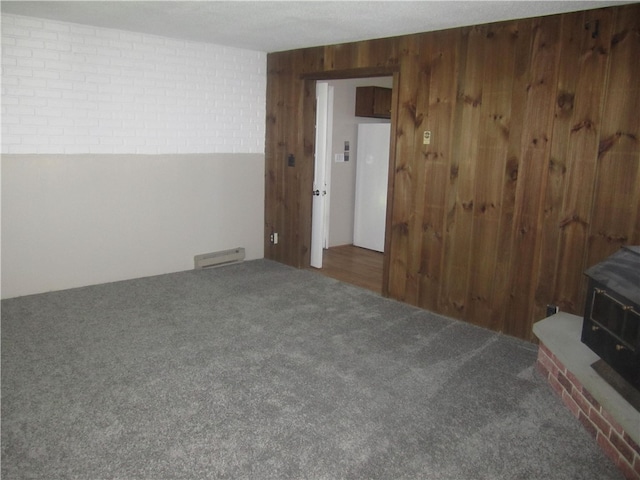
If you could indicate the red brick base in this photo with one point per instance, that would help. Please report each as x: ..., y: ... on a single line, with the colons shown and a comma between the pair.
x: 611, y: 437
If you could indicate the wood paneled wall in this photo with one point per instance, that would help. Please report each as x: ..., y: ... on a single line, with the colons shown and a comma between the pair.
x: 532, y: 174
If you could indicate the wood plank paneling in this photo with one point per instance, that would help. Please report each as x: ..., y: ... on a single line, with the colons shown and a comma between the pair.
x: 459, y: 206
x: 437, y: 158
x: 418, y: 109
x: 306, y: 138
x: 535, y: 147
x: 560, y: 161
x: 511, y: 173
x: 404, y: 188
x: 533, y: 173
x: 275, y: 151
x: 294, y: 196
x: 391, y: 187
x: 582, y: 74
x: 619, y: 146
x: 500, y: 43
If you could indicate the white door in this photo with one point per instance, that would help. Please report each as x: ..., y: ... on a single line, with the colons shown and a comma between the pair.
x: 324, y: 102
x: 372, y: 174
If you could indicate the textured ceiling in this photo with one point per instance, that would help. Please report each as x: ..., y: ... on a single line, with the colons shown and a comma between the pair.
x: 284, y: 25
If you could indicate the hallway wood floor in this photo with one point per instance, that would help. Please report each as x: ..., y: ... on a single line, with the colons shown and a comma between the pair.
x: 355, y: 265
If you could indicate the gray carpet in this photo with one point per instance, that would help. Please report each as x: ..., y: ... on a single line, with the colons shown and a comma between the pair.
x: 261, y: 371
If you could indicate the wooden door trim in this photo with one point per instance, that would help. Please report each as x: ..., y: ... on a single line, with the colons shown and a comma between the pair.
x: 351, y: 73
x: 309, y: 114
x: 386, y: 262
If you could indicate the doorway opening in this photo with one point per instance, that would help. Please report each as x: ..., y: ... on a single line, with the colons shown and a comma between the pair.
x: 355, y: 265
x: 336, y: 182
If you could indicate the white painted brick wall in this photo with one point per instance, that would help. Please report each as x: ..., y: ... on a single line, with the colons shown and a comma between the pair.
x: 69, y: 88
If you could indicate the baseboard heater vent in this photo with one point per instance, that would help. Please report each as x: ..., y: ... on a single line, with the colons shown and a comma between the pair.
x: 218, y: 259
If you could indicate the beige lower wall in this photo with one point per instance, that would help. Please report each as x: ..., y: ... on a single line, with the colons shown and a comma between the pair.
x: 76, y: 220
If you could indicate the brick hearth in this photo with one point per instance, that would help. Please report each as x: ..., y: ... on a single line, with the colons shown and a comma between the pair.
x: 610, y: 420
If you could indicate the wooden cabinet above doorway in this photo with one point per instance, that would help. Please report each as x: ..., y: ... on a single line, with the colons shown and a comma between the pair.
x: 373, y: 102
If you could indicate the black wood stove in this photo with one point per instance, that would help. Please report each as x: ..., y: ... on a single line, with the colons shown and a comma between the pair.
x: 611, y: 326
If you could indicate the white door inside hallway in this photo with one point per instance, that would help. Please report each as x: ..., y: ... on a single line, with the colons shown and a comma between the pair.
x: 324, y: 116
